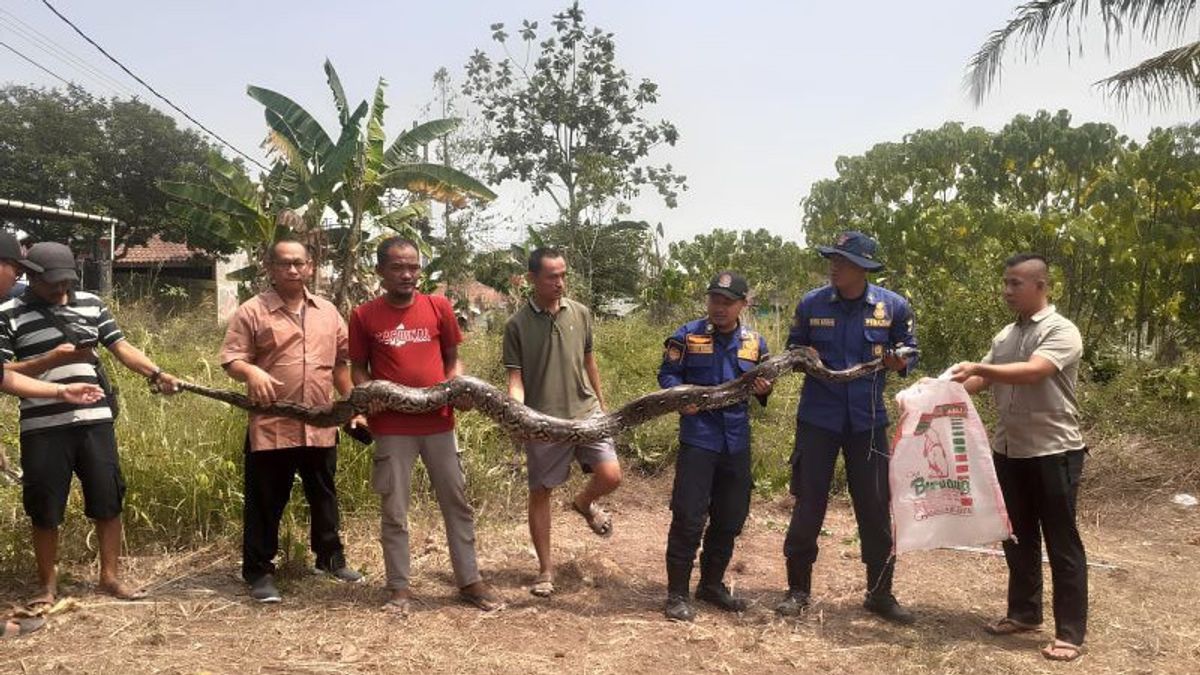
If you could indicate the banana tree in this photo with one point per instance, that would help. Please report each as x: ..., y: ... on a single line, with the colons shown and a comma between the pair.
x: 233, y: 207
x: 354, y: 176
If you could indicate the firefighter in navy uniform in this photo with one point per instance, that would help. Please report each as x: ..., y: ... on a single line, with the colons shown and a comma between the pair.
x: 847, y: 322
x: 712, y: 469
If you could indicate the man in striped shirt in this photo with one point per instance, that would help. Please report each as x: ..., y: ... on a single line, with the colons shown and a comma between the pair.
x: 51, y: 332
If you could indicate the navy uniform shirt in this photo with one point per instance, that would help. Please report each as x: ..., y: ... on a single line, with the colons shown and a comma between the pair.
x: 697, y: 354
x: 846, y: 333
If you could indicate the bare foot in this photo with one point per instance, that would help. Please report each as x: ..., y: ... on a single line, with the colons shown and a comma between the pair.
x: 121, y: 590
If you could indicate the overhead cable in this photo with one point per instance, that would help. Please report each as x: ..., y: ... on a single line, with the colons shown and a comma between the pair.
x: 152, y: 90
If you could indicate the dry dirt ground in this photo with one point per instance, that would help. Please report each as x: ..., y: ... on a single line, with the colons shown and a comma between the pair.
x: 1145, y: 613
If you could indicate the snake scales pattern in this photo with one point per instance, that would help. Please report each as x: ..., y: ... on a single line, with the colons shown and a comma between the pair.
x: 525, y: 422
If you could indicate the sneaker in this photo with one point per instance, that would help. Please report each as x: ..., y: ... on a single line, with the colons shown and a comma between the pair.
x: 678, y: 608
x: 263, y: 589
x: 793, y: 604
x: 720, y: 596
x: 886, y: 606
x: 344, y: 574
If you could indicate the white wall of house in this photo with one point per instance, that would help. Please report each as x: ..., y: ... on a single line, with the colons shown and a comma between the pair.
x: 227, y: 290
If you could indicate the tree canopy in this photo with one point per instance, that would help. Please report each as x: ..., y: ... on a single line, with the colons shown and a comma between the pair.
x: 64, y: 147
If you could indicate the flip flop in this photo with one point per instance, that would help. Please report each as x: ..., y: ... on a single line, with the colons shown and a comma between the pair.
x: 543, y: 586
x: 1060, y: 650
x: 1007, y: 626
x: 487, y: 601
x: 398, y: 607
x: 136, y: 594
x: 39, y: 605
x: 597, y: 518
x: 17, y: 627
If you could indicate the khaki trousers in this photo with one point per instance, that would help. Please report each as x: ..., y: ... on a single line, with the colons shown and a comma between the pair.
x: 391, y: 477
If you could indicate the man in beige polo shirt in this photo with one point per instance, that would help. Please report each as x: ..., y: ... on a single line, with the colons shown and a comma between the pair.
x: 1038, y: 450
x: 551, y: 368
x: 289, y: 345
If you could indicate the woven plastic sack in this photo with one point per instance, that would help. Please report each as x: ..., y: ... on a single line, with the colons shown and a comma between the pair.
x: 943, y: 483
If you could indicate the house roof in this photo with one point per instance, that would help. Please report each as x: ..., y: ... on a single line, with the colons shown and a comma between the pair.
x: 156, y: 252
x: 478, y: 294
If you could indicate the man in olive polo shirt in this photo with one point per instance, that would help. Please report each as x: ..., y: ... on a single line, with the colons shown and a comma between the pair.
x: 551, y: 368
x: 1038, y: 452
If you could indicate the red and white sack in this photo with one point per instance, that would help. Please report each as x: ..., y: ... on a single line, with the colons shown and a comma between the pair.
x: 943, y: 482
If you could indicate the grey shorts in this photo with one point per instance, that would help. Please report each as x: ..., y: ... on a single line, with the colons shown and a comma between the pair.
x: 549, y: 464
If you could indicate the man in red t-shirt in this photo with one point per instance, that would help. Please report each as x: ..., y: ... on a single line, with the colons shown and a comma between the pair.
x: 409, y: 338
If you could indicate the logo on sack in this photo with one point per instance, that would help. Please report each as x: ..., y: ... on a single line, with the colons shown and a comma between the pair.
x: 945, y: 489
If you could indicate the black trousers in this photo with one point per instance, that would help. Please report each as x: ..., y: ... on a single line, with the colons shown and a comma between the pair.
x: 269, y: 475
x: 1040, y: 494
x: 866, y: 455
x: 712, y: 487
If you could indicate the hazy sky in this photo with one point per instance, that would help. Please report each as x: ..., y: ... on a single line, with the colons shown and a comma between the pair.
x: 766, y: 95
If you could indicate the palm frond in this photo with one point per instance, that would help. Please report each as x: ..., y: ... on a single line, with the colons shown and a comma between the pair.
x: 1030, y: 26
x: 1035, y: 21
x: 1159, y: 80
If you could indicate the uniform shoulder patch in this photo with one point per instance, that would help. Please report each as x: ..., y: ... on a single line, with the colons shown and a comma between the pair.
x: 748, y: 349
x: 672, y: 351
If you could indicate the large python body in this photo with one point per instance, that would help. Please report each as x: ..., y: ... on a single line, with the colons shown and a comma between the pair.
x: 525, y: 422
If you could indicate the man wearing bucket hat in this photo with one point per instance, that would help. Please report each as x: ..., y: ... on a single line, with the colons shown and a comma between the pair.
x: 51, y: 332
x: 847, y: 322
x: 712, y: 470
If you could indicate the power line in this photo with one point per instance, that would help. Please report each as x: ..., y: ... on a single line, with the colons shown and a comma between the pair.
x: 116, y: 88
x: 48, y: 46
x: 152, y: 90
x: 44, y: 69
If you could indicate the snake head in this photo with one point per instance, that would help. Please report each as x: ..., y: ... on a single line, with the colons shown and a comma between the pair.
x: 904, y: 352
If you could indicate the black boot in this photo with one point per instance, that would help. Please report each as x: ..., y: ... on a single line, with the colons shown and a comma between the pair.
x: 712, y: 589
x: 879, y: 598
x: 679, y: 605
x: 799, y: 589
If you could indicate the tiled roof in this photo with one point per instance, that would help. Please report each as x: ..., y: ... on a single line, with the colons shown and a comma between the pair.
x: 159, y: 252
x: 478, y: 294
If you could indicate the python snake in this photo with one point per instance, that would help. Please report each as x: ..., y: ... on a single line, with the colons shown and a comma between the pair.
x: 525, y: 422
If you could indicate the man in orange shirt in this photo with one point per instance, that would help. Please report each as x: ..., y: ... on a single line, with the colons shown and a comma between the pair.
x: 287, y: 344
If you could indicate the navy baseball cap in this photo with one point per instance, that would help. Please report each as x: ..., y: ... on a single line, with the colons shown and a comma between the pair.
x: 856, y: 247
x: 729, y: 284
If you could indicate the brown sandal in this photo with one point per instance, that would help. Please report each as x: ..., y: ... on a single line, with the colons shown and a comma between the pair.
x: 1007, y: 626
x: 597, y: 518
x: 1060, y: 650
x: 543, y: 586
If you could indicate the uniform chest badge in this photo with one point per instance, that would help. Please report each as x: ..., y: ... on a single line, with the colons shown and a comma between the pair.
x: 880, y: 318
x: 699, y: 344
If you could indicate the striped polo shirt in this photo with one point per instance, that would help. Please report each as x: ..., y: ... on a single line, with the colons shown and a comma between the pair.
x: 26, y: 332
